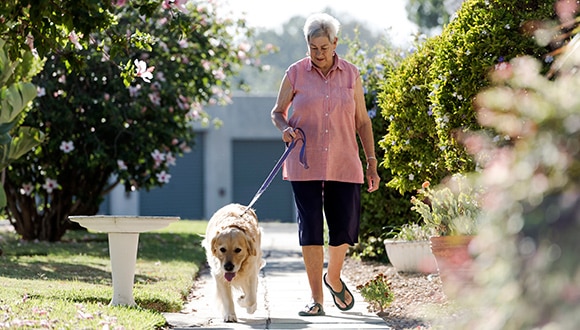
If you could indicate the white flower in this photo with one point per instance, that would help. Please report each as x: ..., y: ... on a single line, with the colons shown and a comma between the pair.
x: 158, y: 156
x: 121, y: 164
x: 411, y: 177
x: 49, y: 185
x: 67, y: 146
x: 170, y: 159
x: 163, y: 177
x: 143, y: 71
x: 40, y: 91
x: 26, y: 189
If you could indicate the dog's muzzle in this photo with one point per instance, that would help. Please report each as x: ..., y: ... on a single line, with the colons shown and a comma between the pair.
x: 229, y: 274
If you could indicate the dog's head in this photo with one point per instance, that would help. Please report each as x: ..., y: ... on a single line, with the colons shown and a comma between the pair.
x: 232, y: 246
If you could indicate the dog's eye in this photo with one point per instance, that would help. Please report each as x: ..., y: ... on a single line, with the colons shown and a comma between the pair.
x: 223, y: 250
x: 238, y: 250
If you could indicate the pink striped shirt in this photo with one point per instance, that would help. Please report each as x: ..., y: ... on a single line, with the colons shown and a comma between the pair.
x: 324, y: 108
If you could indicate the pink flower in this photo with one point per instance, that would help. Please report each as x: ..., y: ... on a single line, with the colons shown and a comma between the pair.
x: 26, y: 189
x: 67, y: 146
x: 50, y: 185
x: 219, y: 74
x: 155, y: 98
x: 179, y: 4
x: 74, y: 38
x: 170, y: 159
x: 163, y: 177
x: 158, y: 156
x: 143, y: 71
x: 134, y: 91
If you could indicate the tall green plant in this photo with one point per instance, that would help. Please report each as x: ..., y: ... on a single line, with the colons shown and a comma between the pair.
x: 16, y: 93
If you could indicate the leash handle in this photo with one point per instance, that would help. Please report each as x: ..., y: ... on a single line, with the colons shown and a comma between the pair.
x: 278, y: 165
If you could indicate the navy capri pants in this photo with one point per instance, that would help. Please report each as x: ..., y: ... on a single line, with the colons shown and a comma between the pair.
x: 339, y: 202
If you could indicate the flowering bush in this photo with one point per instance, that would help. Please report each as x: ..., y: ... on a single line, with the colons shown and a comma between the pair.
x: 528, y: 244
x: 377, y: 292
x: 101, y: 127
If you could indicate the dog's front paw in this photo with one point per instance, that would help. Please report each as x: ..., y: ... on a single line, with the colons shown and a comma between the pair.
x: 252, y: 308
x: 230, y: 317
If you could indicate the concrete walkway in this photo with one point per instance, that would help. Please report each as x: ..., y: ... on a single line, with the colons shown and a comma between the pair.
x: 282, y: 292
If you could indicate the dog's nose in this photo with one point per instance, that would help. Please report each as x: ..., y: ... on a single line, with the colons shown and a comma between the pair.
x: 228, y: 266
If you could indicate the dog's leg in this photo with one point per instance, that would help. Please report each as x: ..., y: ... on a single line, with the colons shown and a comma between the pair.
x: 249, y: 299
x: 224, y: 294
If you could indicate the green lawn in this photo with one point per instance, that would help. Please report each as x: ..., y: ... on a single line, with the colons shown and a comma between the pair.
x: 67, y: 285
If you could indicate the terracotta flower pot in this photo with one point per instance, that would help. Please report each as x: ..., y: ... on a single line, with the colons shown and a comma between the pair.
x: 454, y: 261
x: 411, y: 256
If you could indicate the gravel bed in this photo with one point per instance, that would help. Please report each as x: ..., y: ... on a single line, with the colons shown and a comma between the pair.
x: 419, y: 301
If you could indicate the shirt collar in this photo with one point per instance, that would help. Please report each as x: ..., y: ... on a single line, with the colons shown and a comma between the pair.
x: 337, y: 64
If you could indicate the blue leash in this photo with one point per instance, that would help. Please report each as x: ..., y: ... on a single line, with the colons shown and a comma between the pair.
x: 278, y: 165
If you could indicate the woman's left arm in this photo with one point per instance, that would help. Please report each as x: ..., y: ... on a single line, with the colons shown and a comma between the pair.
x: 364, y: 128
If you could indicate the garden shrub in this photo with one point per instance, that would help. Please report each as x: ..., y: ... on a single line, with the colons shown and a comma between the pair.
x: 385, y: 208
x: 429, y: 100
x: 410, y: 144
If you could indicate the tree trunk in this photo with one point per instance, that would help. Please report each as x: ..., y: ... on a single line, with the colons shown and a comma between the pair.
x: 45, y: 217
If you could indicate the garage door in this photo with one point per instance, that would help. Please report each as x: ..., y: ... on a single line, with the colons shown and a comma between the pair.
x: 183, y: 195
x: 252, y: 162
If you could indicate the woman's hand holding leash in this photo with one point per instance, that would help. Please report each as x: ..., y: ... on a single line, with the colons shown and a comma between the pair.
x: 288, y: 134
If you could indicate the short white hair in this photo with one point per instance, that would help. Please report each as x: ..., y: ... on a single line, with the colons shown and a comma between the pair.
x: 321, y: 25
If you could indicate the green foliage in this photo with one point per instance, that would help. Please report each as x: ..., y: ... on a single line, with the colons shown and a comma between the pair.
x: 409, y: 145
x: 385, y: 208
x: 377, y: 292
x: 16, y: 93
x: 99, y: 128
x: 451, y: 209
x: 45, y: 25
x: 429, y: 100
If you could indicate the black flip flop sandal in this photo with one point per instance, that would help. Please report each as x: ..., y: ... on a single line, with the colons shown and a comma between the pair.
x: 309, y: 310
x: 340, y: 295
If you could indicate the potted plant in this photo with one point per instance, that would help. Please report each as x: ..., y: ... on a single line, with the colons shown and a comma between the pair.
x: 410, y: 249
x: 451, y: 210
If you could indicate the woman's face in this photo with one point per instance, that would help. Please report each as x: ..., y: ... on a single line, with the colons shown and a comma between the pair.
x: 321, y: 51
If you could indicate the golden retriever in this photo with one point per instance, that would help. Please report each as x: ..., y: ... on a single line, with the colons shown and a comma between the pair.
x: 232, y: 244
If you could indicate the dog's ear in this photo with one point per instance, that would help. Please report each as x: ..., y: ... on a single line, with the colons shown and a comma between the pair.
x: 251, y: 246
x: 213, y: 244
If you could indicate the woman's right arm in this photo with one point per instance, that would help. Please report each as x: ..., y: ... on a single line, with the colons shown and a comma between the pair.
x: 279, y: 113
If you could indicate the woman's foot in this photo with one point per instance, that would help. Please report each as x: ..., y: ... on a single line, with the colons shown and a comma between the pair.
x: 312, y: 309
x: 343, y: 299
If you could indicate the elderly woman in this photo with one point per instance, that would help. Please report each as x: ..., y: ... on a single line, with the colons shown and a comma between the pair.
x: 328, y: 107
